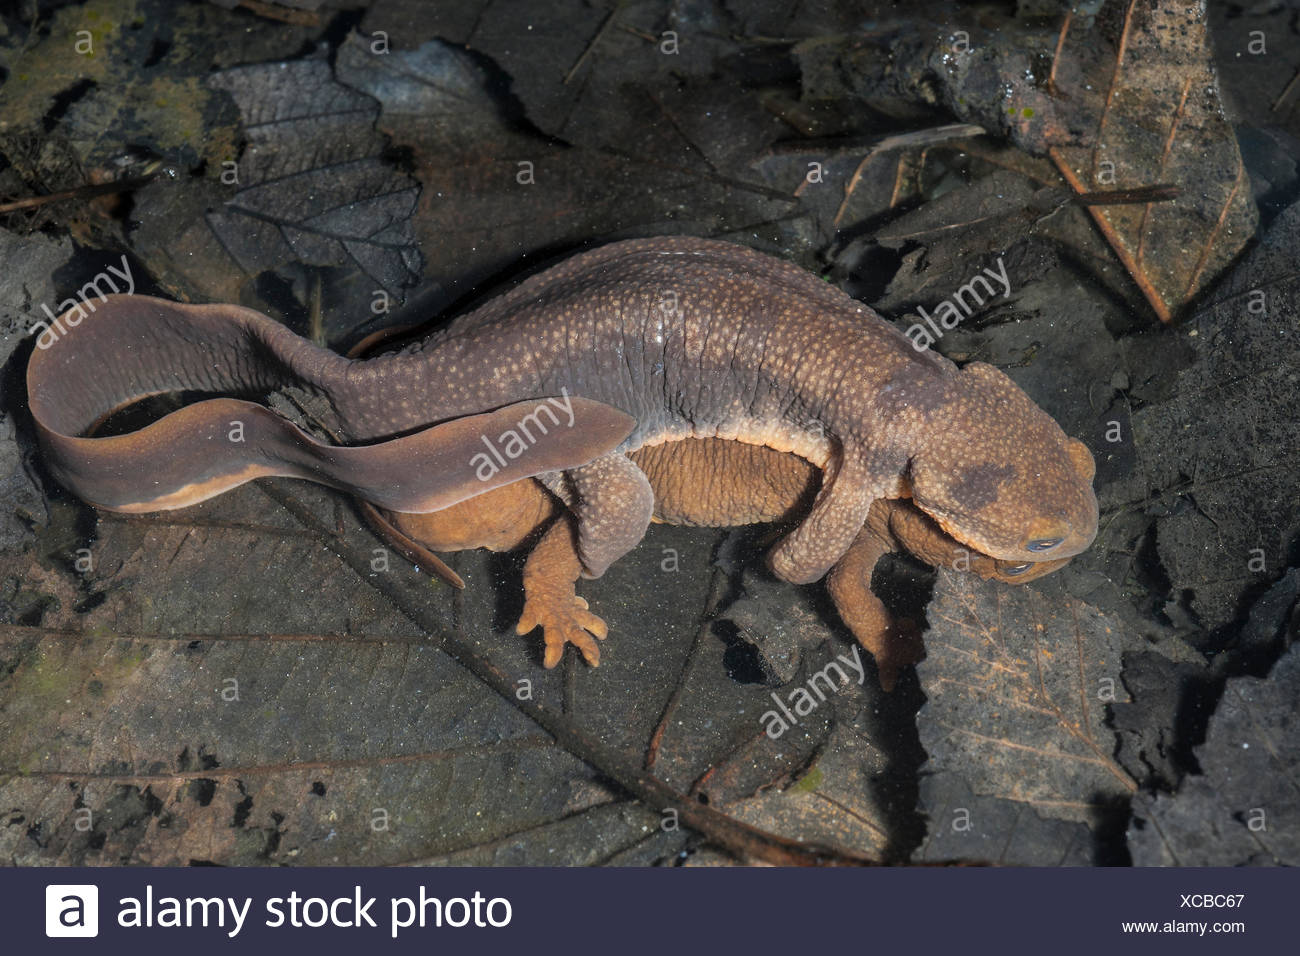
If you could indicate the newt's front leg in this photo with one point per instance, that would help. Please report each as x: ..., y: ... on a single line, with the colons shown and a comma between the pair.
x: 550, y: 601
x: 829, y: 530
x: 894, y: 644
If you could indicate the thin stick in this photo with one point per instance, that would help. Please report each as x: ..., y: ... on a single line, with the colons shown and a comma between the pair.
x: 1161, y: 192
x: 605, y: 25
x: 81, y: 192
x: 1113, y: 237
x: 1060, y: 44
x: 834, y: 148
x: 1277, y: 103
x: 271, y: 12
x: 852, y: 185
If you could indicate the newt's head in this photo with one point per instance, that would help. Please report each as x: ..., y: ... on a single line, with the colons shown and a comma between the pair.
x: 998, y: 474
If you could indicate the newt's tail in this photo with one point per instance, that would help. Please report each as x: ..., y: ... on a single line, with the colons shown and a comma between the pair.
x: 91, y: 362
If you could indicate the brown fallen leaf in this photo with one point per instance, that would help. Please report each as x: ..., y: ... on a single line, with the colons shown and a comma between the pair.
x: 1145, y: 94
x: 1018, y: 680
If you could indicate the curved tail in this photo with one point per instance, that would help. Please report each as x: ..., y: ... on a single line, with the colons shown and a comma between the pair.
x: 130, y: 347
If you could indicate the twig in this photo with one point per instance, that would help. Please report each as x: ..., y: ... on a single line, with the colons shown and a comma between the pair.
x: 841, y: 146
x: 642, y: 34
x: 1277, y: 103
x: 852, y: 185
x: 898, y: 182
x: 1060, y: 44
x: 304, y: 18
x: 1113, y: 238
x: 604, y: 26
x: 1161, y: 192
x: 81, y: 192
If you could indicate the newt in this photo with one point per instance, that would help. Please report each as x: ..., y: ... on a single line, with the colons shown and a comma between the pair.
x: 566, y: 377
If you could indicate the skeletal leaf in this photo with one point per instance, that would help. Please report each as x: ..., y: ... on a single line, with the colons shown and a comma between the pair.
x: 1018, y: 681
x: 311, y: 190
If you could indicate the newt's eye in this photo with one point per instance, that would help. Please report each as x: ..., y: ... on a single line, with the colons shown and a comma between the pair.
x: 1044, y: 544
x: 1015, y: 568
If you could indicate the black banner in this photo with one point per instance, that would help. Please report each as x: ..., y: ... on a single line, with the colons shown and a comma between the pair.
x: 206, y: 910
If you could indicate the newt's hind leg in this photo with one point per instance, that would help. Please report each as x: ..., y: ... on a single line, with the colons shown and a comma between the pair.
x: 502, y: 520
x: 550, y: 601
x: 614, y: 502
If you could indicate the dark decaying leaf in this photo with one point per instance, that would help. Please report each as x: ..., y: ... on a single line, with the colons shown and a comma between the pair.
x: 241, y: 695
x: 261, y: 707
x: 611, y: 78
x: 25, y: 285
x: 312, y: 188
x: 1217, y: 454
x: 1244, y: 806
x: 962, y: 825
x: 1171, y: 701
x: 835, y: 801
x: 1155, y: 722
x: 238, y: 698
x: 435, y: 98
x: 1018, y: 680
x: 314, y: 179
